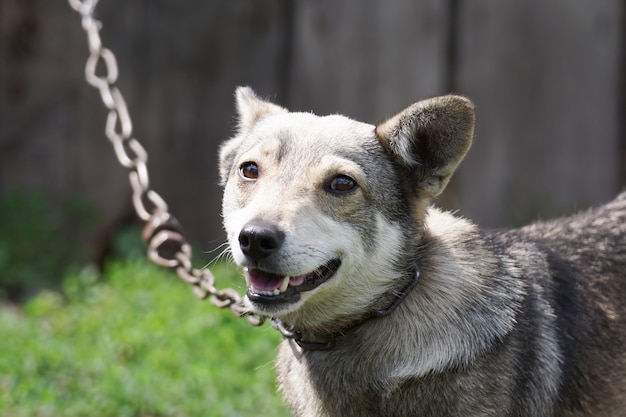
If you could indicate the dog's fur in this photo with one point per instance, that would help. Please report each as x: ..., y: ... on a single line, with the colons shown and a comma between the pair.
x: 526, y: 322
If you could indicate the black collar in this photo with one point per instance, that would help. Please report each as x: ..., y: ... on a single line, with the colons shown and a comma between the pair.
x: 330, y: 340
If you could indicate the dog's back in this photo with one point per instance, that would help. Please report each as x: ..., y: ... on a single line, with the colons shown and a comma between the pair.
x: 586, y: 254
x: 574, y: 310
x: 565, y: 355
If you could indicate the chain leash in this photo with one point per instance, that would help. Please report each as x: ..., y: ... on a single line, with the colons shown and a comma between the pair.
x: 167, y: 246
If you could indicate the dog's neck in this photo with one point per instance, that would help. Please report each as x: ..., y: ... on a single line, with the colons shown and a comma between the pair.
x: 327, y: 342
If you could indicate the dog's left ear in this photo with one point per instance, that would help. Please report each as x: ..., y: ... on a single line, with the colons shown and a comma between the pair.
x: 430, y: 138
x: 250, y: 110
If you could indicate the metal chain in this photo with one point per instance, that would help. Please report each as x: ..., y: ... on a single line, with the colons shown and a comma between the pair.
x: 167, y: 246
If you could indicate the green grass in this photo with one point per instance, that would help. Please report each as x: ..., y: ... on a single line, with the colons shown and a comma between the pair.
x: 137, y: 343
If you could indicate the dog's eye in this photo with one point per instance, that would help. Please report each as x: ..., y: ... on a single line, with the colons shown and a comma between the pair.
x: 342, y: 184
x: 249, y: 171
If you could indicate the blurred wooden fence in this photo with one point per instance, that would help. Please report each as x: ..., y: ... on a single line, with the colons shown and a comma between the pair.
x: 548, y: 78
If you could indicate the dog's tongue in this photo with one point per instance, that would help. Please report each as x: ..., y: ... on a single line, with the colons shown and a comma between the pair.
x: 295, y: 281
x: 266, y: 281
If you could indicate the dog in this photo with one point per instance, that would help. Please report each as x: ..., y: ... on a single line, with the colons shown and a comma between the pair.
x: 392, y: 307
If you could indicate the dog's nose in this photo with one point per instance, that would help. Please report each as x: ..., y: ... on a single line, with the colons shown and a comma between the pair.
x: 258, y: 240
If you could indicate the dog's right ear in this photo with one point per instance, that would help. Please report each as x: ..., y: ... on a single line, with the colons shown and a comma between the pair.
x: 429, y: 139
x: 250, y: 109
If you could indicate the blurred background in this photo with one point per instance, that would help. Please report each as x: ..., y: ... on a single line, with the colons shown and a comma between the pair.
x: 548, y: 79
x: 90, y: 328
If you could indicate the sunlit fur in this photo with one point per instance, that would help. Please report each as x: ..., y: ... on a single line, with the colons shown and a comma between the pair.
x: 525, y: 322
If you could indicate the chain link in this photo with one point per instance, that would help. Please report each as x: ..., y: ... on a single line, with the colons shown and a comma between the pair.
x: 167, y: 246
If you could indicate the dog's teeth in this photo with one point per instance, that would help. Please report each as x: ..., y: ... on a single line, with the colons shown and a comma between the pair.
x: 284, y: 285
x: 276, y: 291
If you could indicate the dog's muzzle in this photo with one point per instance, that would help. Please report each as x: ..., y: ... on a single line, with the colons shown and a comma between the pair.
x: 258, y: 240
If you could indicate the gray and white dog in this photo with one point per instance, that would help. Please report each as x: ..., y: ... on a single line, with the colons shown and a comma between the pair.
x: 391, y: 307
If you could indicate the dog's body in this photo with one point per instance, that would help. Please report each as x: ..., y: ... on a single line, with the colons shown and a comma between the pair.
x: 330, y: 219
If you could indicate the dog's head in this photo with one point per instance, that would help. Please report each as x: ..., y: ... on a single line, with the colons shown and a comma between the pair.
x: 325, y: 213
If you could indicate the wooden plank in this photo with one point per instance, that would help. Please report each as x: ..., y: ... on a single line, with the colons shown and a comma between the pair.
x: 544, y: 76
x: 367, y: 59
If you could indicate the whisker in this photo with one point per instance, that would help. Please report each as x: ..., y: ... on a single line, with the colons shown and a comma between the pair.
x: 218, y: 247
x: 224, y: 256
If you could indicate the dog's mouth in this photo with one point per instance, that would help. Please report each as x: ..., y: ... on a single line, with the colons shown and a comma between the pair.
x: 269, y: 288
